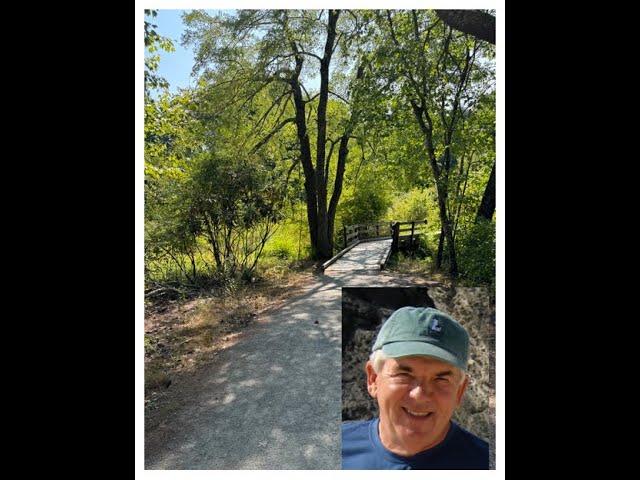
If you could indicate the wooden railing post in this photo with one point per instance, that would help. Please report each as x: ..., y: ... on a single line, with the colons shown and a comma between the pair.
x: 413, y: 226
x: 377, y: 229
x: 395, y: 228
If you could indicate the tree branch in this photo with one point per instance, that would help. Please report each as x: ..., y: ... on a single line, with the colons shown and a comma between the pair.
x: 416, y: 30
x: 393, y: 34
x: 272, y: 133
x: 312, y: 98
x: 333, y: 144
x: 310, y: 54
x: 473, y: 22
x: 275, y: 102
x: 340, y: 97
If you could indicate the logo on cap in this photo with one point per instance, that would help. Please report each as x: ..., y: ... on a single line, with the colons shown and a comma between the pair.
x: 435, y: 328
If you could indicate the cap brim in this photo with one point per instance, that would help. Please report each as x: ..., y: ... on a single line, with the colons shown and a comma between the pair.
x: 406, y: 349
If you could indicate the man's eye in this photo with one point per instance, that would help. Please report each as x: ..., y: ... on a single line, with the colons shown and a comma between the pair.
x: 442, y: 379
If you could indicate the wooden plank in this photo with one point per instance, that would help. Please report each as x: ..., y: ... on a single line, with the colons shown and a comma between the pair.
x: 367, y: 256
x: 386, y: 258
x: 413, y: 221
x: 337, y: 256
x: 374, y: 239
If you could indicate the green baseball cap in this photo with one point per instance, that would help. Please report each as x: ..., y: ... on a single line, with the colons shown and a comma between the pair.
x: 424, y: 331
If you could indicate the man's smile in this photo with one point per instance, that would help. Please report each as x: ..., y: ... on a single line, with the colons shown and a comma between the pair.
x: 416, y: 414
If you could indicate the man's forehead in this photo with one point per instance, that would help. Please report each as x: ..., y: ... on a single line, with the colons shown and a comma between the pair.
x: 418, y: 362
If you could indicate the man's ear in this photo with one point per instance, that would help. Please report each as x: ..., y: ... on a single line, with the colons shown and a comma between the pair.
x: 461, y: 389
x: 371, y: 379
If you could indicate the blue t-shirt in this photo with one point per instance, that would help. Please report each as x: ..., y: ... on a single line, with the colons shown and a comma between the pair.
x: 363, y: 450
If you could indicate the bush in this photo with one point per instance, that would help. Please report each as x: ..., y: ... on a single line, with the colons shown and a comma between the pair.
x: 368, y: 203
x: 423, y: 248
x: 416, y: 204
x: 477, y: 253
x: 289, y: 239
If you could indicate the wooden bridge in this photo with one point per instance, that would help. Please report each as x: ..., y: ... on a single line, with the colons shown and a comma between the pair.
x: 369, y: 246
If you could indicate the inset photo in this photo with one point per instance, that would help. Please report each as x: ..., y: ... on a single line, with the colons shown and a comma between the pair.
x: 418, y: 378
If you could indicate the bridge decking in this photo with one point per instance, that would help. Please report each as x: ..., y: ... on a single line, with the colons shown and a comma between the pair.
x: 369, y: 255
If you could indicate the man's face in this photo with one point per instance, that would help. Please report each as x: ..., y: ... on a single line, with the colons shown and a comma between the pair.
x: 416, y: 397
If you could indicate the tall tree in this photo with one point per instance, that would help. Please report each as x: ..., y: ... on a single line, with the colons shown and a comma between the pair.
x: 281, y: 50
x: 481, y: 25
x: 437, y: 72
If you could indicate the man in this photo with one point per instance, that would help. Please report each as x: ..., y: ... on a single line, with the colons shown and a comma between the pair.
x: 416, y: 373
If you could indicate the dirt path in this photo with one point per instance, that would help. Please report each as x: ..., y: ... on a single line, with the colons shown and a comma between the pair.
x: 272, y: 400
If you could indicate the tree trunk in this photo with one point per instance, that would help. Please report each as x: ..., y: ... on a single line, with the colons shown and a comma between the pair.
x: 441, y: 176
x: 473, y: 22
x: 440, y: 249
x: 453, y: 261
x: 447, y: 233
x: 214, y: 244
x: 305, y: 159
x: 337, y: 187
x: 324, y: 239
x: 343, y: 152
x: 488, y: 203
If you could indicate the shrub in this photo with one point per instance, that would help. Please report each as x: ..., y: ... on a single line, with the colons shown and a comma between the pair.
x: 368, y: 203
x: 477, y: 253
x: 416, y: 204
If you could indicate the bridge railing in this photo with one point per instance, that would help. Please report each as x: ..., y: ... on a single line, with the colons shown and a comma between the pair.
x: 415, y: 227
x: 396, y: 230
x: 353, y: 233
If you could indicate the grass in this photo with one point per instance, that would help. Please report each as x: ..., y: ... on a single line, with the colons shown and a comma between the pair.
x: 420, y: 262
x: 286, y: 249
x: 476, y: 260
x: 289, y: 242
x: 414, y: 265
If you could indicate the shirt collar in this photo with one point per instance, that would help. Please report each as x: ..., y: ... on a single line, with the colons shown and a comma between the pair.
x: 374, y: 436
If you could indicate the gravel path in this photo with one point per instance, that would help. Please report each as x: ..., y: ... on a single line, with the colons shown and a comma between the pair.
x: 273, y: 399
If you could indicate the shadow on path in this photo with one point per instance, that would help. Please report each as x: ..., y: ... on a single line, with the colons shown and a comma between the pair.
x: 272, y: 400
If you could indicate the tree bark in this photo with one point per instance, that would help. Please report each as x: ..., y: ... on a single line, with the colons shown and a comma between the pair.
x: 343, y: 152
x: 446, y: 232
x: 305, y: 158
x: 488, y: 203
x: 337, y: 187
x: 324, y: 241
x: 473, y: 22
x: 440, y: 249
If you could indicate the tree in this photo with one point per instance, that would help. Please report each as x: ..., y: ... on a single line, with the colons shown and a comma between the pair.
x: 202, y: 187
x: 281, y: 50
x: 437, y: 73
x: 169, y: 140
x: 153, y: 42
x: 237, y: 202
x: 482, y: 26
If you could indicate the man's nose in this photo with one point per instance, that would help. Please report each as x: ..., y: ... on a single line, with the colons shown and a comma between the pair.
x: 420, y: 391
